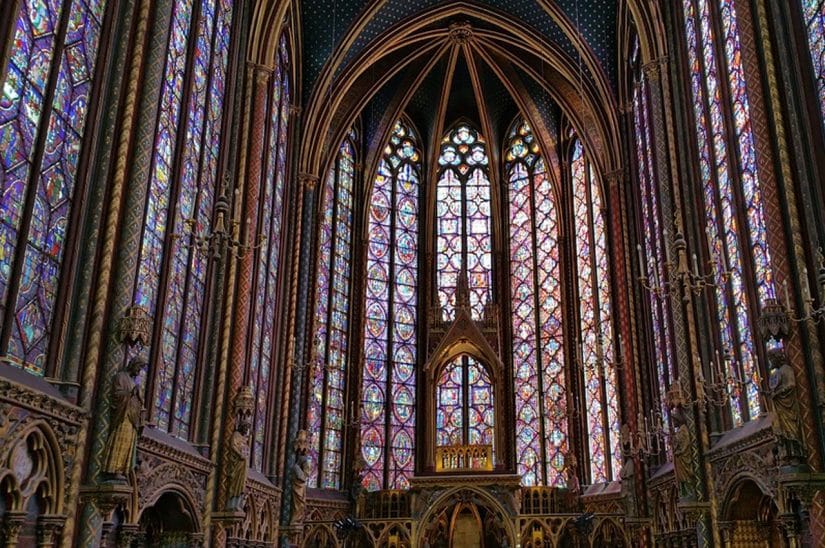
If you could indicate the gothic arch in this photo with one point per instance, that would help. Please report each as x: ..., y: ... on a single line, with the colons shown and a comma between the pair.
x: 457, y: 495
x: 325, y: 123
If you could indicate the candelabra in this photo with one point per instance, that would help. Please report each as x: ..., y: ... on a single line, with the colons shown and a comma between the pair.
x: 219, y: 236
x: 650, y: 438
x: 809, y: 313
x: 691, y: 279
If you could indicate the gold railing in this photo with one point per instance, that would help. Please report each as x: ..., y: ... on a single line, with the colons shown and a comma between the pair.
x: 464, y: 458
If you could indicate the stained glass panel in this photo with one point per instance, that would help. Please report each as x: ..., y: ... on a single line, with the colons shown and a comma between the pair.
x: 725, y: 163
x: 463, y: 221
x: 268, y: 256
x: 541, y: 418
x: 813, y: 12
x: 595, y: 345
x: 38, y: 64
x: 326, y: 411
x: 388, y: 382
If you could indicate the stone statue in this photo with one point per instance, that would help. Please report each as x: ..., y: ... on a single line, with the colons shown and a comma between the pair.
x: 126, y: 421
x: 682, y: 468
x: 237, y: 462
x: 785, y: 404
x: 628, y: 472
x: 300, y: 474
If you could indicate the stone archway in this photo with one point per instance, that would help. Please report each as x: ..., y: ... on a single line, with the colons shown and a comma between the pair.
x: 750, y: 516
x: 446, y: 523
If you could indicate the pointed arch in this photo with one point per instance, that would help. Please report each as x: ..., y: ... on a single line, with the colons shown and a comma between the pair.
x: 537, y: 334
x: 326, y: 404
x: 391, y: 315
x: 463, y: 220
x: 595, y: 348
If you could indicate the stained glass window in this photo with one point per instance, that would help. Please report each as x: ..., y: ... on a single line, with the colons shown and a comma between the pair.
x: 54, y: 53
x: 734, y: 215
x: 595, y: 345
x: 388, y: 385
x: 465, y: 406
x: 653, y: 266
x: 189, y: 126
x: 325, y: 409
x: 535, y: 282
x: 268, y: 257
x: 463, y: 221
x: 813, y: 12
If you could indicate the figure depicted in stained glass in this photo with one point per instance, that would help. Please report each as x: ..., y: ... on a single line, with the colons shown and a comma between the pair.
x: 326, y: 410
x: 388, y: 381
x: 126, y: 421
x: 463, y: 221
x: 538, y: 354
x: 596, y: 347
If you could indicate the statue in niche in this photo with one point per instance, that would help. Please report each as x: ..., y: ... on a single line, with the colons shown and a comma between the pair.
x: 681, y: 441
x: 785, y: 404
x: 237, y: 462
x: 300, y: 474
x: 126, y: 421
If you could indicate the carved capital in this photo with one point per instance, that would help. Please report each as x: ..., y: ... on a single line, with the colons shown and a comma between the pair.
x: 128, y: 534
x: 107, y: 496
x: 294, y: 110
x: 308, y: 180
x: 12, y: 524
x: 653, y: 69
x: 48, y: 529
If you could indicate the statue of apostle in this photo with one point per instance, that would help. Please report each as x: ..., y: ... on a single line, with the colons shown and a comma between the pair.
x: 126, y: 421
x: 785, y: 403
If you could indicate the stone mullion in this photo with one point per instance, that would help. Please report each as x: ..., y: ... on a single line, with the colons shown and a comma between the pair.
x: 249, y: 189
x: 814, y: 372
x: 768, y: 185
x: 785, y: 143
x: 681, y: 299
x: 112, y: 294
x: 219, y: 297
x: 293, y: 220
x: 304, y: 244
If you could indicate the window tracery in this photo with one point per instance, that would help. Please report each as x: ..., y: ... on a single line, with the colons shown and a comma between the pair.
x: 813, y: 14
x: 172, y: 275
x: 45, y: 100
x: 325, y: 410
x: 463, y: 217
x: 535, y: 281
x: 390, y: 350
x: 595, y: 321
x: 731, y: 195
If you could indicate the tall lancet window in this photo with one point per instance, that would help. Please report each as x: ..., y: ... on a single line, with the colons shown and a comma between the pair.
x: 183, y: 180
x: 601, y: 404
x: 463, y: 229
x: 45, y: 98
x: 734, y: 215
x: 325, y: 408
x: 535, y: 280
x: 813, y: 12
x: 260, y: 370
x: 388, y: 381
x: 651, y: 250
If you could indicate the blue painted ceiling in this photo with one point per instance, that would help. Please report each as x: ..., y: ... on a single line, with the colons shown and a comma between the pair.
x: 326, y: 22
